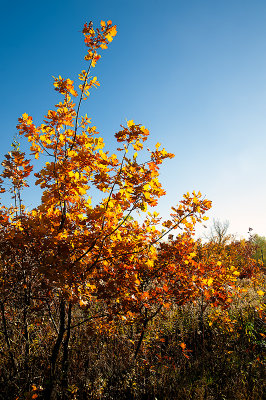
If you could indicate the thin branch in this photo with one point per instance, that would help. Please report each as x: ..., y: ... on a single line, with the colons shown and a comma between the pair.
x: 109, y: 234
x: 113, y: 186
x: 147, y: 247
x: 7, y: 336
x: 88, y: 319
x: 86, y: 252
x: 80, y: 100
x: 51, y: 317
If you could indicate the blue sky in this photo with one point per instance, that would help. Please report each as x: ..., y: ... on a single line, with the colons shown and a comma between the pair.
x: 193, y: 72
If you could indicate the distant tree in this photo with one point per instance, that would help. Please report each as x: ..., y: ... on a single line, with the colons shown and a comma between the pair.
x: 218, y: 232
x: 260, y: 243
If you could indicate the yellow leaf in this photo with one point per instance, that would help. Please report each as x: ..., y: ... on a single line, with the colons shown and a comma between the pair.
x: 144, y: 207
x: 167, y: 224
x: 82, y: 191
x: 149, y: 263
x: 209, y: 282
x: 260, y: 293
x: 109, y: 37
x: 137, y: 281
x: 130, y: 123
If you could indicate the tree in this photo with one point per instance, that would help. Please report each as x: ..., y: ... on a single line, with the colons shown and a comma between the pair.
x: 260, y: 243
x: 67, y: 252
x: 218, y: 232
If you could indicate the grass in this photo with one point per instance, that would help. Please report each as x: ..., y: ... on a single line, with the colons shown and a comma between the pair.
x: 186, y: 353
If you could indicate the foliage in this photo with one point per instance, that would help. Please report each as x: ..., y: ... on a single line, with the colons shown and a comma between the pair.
x: 260, y: 243
x: 86, y: 288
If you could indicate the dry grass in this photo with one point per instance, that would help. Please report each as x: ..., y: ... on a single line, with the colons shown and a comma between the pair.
x: 224, y: 360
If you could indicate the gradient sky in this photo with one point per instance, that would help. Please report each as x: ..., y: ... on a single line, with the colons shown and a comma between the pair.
x: 193, y: 72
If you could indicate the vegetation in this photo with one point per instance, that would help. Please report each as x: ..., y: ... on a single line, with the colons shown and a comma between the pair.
x: 95, y: 304
x: 260, y: 245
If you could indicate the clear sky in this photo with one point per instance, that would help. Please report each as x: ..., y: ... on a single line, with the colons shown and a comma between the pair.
x: 193, y: 72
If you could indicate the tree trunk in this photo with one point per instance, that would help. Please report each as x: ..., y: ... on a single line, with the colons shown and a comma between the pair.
x: 5, y: 331
x: 49, y: 385
x: 65, y: 361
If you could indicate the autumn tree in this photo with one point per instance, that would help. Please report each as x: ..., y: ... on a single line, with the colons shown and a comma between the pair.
x: 69, y: 253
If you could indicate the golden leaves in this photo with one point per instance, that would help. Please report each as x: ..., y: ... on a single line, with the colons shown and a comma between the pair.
x: 209, y: 281
x: 130, y: 123
x: 89, y: 82
x: 111, y: 33
x: 64, y: 86
x: 98, y: 39
x: 16, y: 168
x: 133, y: 133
